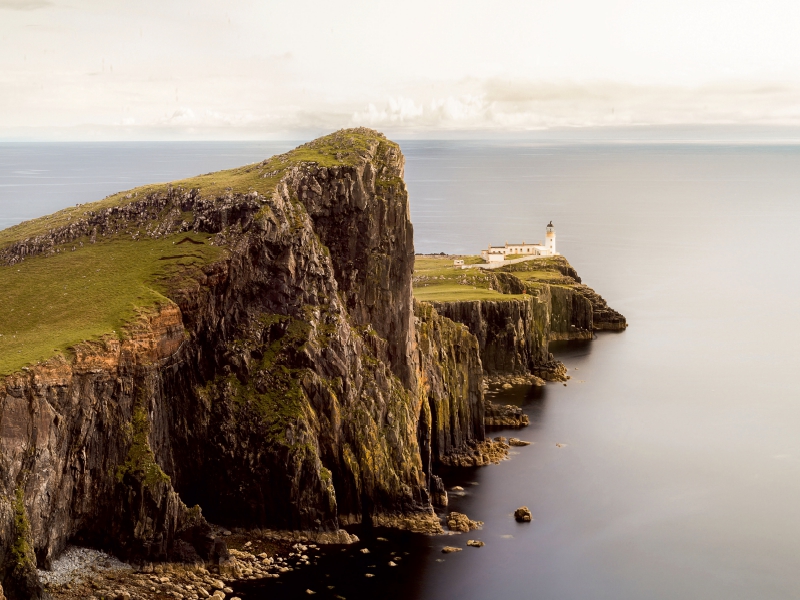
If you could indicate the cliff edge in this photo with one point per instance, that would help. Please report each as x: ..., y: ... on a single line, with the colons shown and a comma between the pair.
x: 256, y: 365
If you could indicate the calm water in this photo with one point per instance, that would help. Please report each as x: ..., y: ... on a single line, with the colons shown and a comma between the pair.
x: 680, y: 473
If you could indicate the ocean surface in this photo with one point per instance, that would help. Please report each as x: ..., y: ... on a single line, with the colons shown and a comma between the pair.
x: 679, y: 470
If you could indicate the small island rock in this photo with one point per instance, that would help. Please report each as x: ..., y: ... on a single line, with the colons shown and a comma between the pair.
x: 523, y: 514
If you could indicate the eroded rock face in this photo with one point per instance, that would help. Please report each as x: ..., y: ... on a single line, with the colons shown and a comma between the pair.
x: 279, y: 388
x: 452, y: 412
x: 514, y: 335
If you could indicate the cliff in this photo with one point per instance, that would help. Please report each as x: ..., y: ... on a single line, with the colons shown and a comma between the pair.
x: 244, y: 347
x: 516, y: 312
x: 273, y: 382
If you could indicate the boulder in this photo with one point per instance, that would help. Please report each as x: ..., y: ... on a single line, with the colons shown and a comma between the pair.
x: 523, y: 514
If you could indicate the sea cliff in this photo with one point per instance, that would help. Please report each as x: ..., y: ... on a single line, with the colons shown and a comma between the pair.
x: 243, y: 348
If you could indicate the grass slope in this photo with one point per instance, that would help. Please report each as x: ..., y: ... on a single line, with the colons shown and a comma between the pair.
x: 437, y: 280
x: 49, y: 304
x: 340, y: 148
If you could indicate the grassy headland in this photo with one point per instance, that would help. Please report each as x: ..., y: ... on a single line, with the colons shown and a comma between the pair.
x: 436, y: 279
x: 86, y: 291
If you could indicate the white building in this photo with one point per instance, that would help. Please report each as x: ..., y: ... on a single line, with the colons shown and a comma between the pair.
x: 499, y: 253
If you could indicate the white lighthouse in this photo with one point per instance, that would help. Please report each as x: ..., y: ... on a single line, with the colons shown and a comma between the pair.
x: 550, y: 241
x: 523, y: 251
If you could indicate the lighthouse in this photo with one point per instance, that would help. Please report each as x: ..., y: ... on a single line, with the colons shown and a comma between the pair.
x: 550, y: 241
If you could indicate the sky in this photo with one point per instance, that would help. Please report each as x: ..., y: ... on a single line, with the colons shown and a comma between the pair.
x: 240, y: 69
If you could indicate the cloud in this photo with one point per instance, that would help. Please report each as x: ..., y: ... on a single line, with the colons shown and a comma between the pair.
x: 24, y: 4
x: 524, y: 105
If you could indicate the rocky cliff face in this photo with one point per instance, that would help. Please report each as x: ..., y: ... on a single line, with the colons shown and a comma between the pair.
x: 514, y: 335
x: 452, y: 413
x: 292, y: 385
x: 279, y: 388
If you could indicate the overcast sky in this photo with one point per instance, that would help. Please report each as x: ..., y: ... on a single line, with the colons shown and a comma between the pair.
x: 107, y: 69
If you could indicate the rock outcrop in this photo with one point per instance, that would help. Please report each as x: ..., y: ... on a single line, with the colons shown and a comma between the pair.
x: 278, y: 388
x: 452, y: 412
x: 514, y: 334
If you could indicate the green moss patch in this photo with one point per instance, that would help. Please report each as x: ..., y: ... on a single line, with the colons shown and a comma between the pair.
x: 21, y: 552
x: 51, y: 303
x: 141, y: 461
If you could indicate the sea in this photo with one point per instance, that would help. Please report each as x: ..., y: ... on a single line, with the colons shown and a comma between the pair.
x: 669, y: 465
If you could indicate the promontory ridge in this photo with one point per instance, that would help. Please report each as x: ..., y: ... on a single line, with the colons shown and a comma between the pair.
x: 252, y: 349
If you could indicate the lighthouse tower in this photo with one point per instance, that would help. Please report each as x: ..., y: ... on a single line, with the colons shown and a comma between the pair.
x: 550, y: 242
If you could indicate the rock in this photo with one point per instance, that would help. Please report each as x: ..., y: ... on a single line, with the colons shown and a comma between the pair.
x: 449, y: 549
x: 391, y: 564
x: 310, y: 592
x: 523, y: 514
x: 364, y: 551
x: 475, y: 543
x: 458, y: 488
x: 227, y: 590
x: 517, y: 442
x: 475, y: 454
x: 460, y: 522
x: 506, y: 386
x: 498, y: 415
x: 560, y: 445
x: 369, y: 575
x: 438, y: 493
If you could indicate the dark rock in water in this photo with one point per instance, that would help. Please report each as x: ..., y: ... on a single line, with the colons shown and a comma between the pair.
x: 523, y: 515
x: 475, y: 543
x: 438, y: 493
x: 457, y: 521
x: 517, y: 442
x: 498, y: 415
x: 449, y: 549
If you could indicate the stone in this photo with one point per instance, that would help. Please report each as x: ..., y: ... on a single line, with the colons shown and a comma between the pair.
x: 449, y: 549
x: 523, y: 514
x: 475, y: 543
x: 460, y: 522
x: 364, y: 551
x: 517, y: 442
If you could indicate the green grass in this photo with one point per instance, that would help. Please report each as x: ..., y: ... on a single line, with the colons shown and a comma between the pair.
x: 340, y: 148
x: 538, y: 275
x: 437, y: 280
x: 50, y: 304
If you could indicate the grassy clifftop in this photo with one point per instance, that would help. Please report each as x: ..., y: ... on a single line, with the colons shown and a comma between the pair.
x: 340, y: 148
x: 437, y: 280
x: 83, y: 290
